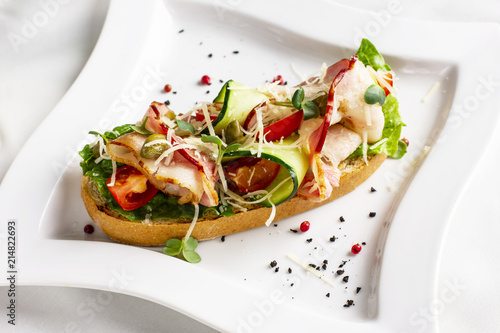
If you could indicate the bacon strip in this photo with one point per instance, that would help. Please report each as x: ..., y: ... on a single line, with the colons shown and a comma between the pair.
x: 324, y: 174
x: 339, y: 144
x: 331, y: 72
x: 178, y: 178
x: 319, y: 180
x: 331, y: 114
x: 156, y: 123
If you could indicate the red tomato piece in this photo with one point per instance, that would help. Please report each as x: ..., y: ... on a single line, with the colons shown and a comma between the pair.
x: 131, y: 188
x: 200, y: 116
x: 284, y: 127
x: 390, y: 80
x: 251, y: 173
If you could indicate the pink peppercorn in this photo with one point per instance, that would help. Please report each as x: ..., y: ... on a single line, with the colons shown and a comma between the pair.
x: 304, y: 226
x: 205, y: 80
x: 356, y: 248
x: 279, y: 79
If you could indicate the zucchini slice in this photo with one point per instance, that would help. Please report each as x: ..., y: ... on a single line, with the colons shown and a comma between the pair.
x: 239, y: 100
x: 294, y: 164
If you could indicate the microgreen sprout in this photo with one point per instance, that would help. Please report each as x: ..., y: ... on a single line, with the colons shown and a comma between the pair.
x: 310, y: 108
x: 215, y: 139
x: 102, y: 136
x: 141, y: 129
x: 375, y: 94
x: 298, y: 98
x: 183, y: 249
x: 185, y: 126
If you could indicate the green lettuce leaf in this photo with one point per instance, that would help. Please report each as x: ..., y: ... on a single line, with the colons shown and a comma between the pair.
x: 369, y: 55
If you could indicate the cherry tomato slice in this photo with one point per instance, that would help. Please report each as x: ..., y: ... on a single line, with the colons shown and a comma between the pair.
x: 200, y: 116
x: 131, y: 189
x: 251, y: 173
x: 284, y: 127
x: 390, y: 80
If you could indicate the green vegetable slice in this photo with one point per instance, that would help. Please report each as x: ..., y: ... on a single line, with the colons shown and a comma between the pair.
x: 294, y: 164
x: 222, y: 93
x: 239, y: 100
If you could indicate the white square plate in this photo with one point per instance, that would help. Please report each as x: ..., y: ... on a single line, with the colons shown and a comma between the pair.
x: 234, y: 289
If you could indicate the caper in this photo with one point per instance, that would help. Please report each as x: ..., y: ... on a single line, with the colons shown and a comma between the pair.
x: 156, y: 149
x: 170, y: 115
x: 320, y: 99
x: 233, y: 132
x: 154, y: 137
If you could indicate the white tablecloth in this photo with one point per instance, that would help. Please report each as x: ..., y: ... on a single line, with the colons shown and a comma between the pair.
x: 45, y: 44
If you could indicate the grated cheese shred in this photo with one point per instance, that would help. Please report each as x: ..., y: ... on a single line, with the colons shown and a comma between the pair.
x: 379, y: 143
x: 365, y: 145
x: 204, y: 108
x: 270, y: 219
x: 260, y: 130
x: 222, y: 177
x: 309, y: 269
x: 368, y: 115
x: 250, y: 178
x: 431, y: 91
x: 113, y: 175
x: 173, y: 149
x: 381, y: 76
x: 193, y: 223
x: 103, y: 153
x: 158, y: 141
x: 231, y: 196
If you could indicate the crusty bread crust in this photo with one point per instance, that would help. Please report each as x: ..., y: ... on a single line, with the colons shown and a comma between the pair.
x: 354, y: 172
